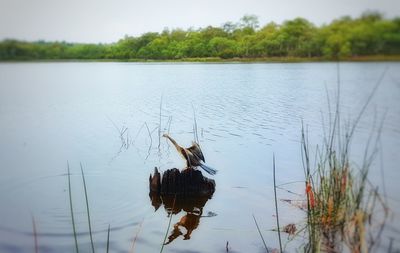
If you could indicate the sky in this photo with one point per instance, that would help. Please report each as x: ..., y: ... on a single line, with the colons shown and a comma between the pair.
x: 101, y: 21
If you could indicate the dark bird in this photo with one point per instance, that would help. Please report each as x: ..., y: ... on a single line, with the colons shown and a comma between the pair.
x: 193, y: 156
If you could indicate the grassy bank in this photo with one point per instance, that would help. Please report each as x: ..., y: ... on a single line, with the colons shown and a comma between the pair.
x: 371, y: 58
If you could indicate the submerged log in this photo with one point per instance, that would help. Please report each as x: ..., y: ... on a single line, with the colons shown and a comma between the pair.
x: 188, y: 182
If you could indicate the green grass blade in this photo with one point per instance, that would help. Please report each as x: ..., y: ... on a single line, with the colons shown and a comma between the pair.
x: 35, y: 236
x: 87, y: 208
x: 259, y: 231
x: 169, y: 224
x: 72, y: 210
x: 276, y: 208
x: 108, y: 238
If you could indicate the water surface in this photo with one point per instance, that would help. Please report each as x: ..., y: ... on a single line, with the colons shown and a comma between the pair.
x: 54, y: 113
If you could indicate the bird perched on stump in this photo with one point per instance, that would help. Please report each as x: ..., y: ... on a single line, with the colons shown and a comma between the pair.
x: 193, y: 155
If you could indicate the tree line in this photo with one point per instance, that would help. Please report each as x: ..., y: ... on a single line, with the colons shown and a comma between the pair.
x: 369, y: 34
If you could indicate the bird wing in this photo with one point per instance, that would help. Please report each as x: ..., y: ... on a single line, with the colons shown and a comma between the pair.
x: 196, y: 150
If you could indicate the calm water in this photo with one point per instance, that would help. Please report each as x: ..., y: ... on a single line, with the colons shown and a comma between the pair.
x: 54, y: 113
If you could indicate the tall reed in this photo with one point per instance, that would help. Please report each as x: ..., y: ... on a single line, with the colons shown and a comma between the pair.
x: 276, y: 206
x: 35, y: 236
x: 72, y: 210
x: 259, y: 232
x: 340, y: 199
x: 87, y: 213
x: 87, y: 208
x: 108, y: 239
x: 169, y: 225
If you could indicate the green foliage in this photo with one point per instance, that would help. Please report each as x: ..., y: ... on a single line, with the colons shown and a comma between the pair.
x: 370, y: 34
x: 223, y: 47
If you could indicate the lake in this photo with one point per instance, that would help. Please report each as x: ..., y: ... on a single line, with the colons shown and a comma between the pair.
x: 107, y: 117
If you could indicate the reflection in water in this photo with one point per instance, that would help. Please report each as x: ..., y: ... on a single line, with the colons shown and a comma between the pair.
x: 190, y: 222
x: 193, y: 208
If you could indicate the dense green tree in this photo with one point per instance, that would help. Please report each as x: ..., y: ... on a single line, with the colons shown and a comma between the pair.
x: 210, y: 32
x: 223, y: 47
x: 370, y: 34
x: 194, y: 46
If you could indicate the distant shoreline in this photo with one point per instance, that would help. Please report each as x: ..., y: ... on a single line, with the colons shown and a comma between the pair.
x: 371, y: 58
x: 369, y: 37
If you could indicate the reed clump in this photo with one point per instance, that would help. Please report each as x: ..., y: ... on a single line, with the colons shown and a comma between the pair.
x: 341, y: 202
x: 340, y: 205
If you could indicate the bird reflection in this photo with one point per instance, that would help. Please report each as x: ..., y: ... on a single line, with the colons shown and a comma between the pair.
x: 190, y: 222
x: 192, y: 207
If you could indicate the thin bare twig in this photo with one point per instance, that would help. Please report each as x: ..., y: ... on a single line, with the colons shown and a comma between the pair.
x: 159, y: 126
x: 136, y: 236
x: 196, y: 136
x: 151, y: 140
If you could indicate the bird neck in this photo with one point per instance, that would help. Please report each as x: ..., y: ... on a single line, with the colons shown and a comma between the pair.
x: 174, y: 142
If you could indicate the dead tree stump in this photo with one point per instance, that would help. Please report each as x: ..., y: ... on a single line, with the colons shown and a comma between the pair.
x: 188, y: 183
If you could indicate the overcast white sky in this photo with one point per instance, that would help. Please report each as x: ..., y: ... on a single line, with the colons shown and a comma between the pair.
x: 108, y: 21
